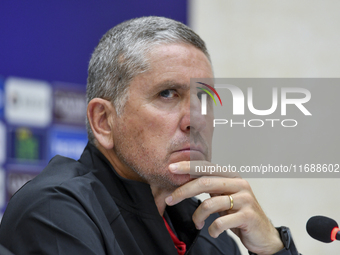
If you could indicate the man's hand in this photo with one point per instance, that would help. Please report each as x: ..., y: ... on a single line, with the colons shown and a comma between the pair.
x: 246, y: 219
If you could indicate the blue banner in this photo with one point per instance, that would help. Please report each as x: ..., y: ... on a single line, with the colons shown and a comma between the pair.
x: 2, y: 98
x: 68, y: 142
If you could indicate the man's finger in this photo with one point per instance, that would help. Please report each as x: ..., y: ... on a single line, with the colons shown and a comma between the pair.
x: 226, y: 222
x: 182, y: 167
x: 206, y: 185
x: 213, y: 205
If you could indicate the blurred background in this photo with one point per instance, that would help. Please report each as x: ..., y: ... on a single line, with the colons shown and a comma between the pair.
x: 45, y: 47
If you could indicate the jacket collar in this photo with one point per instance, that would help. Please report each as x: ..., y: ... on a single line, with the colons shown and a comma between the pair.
x: 127, y: 193
x: 137, y: 198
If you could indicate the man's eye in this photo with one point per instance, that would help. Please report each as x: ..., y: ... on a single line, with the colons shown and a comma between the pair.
x: 168, y: 93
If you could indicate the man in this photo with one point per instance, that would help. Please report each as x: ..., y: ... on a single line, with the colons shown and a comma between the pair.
x: 130, y: 192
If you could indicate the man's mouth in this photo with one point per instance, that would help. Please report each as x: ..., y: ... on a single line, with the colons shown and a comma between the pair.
x: 192, y: 152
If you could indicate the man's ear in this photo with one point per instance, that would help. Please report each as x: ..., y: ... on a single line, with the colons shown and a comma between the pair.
x: 101, y: 115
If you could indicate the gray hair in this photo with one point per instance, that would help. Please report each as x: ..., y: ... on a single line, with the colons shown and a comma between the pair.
x: 122, y: 54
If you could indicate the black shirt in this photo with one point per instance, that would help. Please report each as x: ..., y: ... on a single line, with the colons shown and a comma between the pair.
x: 85, y: 207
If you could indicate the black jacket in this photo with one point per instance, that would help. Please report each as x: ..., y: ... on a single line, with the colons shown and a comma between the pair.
x: 85, y: 207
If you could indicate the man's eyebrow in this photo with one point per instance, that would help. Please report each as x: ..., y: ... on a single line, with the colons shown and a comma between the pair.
x: 173, y: 85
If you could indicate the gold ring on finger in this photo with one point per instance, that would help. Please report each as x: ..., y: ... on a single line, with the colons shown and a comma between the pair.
x: 231, y: 202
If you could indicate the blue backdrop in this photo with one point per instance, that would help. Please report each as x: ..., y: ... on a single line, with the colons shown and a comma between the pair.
x: 45, y: 47
x: 53, y: 40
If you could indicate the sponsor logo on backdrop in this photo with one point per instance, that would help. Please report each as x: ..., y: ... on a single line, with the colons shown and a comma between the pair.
x: 67, y: 142
x: 69, y: 107
x: 16, y: 179
x: 2, y: 143
x: 28, y: 102
x: 27, y: 145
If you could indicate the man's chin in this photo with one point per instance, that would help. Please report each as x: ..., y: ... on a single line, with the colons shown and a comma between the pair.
x: 170, y: 182
x: 180, y: 179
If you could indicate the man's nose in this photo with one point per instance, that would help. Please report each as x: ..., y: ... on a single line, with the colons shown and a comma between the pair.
x: 193, y: 120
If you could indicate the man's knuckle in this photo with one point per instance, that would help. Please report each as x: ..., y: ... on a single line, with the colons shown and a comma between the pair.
x: 248, y: 198
x: 247, y: 215
x: 218, y: 224
x: 242, y: 215
x: 245, y: 184
x: 207, y: 205
x: 179, y: 192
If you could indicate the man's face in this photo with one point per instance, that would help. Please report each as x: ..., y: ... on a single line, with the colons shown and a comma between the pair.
x: 154, y: 129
